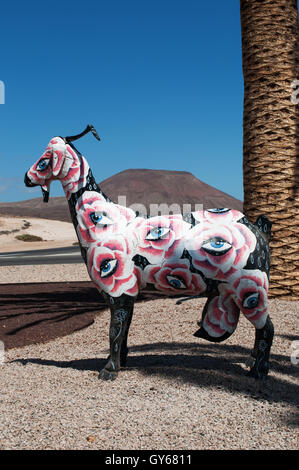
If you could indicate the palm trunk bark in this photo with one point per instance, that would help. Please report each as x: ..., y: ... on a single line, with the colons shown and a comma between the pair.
x: 270, y: 131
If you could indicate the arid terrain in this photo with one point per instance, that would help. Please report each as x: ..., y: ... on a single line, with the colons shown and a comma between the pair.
x: 54, y: 233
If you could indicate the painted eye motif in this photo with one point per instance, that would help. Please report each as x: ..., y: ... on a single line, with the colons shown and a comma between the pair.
x: 100, y: 218
x: 157, y: 233
x: 43, y: 164
x: 216, y: 246
x: 176, y: 282
x: 219, y: 210
x: 251, y: 300
x: 108, y: 267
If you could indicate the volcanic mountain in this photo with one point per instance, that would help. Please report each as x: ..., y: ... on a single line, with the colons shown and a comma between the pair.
x: 159, y: 191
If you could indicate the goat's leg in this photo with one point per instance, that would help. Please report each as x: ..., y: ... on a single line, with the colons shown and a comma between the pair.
x: 121, y: 309
x: 124, y: 345
x: 258, y: 361
x: 211, y: 327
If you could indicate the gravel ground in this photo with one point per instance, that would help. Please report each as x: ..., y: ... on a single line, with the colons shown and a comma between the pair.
x: 177, y: 392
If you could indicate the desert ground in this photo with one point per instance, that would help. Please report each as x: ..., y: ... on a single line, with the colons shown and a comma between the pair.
x: 54, y: 233
x: 177, y: 392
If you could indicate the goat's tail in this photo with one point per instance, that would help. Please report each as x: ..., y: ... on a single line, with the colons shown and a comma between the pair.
x: 264, y: 225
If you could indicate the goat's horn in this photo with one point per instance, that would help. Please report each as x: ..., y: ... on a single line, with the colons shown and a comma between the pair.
x: 89, y: 128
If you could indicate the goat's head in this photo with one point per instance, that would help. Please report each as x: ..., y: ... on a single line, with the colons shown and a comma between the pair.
x: 59, y: 161
x: 51, y: 165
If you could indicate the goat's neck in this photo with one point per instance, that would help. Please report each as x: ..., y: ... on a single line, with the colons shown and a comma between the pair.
x: 84, y: 181
x: 78, y: 178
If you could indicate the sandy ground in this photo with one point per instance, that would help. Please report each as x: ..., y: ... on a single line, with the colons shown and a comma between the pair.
x: 53, y: 232
x: 177, y: 392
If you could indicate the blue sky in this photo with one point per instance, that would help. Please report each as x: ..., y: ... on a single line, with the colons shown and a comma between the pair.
x: 160, y: 80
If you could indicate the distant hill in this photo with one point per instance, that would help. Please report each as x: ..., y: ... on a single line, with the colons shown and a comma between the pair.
x: 136, y: 186
x: 55, y: 209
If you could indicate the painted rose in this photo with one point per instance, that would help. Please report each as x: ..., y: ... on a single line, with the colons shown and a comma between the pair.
x: 222, y: 216
x: 174, y: 278
x: 250, y: 290
x: 42, y: 170
x: 219, y: 246
x: 219, y: 319
x: 74, y: 172
x: 60, y: 161
x: 98, y: 218
x: 222, y: 314
x: 160, y: 237
x: 111, y: 267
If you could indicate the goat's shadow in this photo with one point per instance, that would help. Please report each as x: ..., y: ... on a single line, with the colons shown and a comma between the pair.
x: 204, y: 365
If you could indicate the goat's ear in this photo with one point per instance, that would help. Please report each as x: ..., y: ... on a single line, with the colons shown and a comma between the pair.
x: 58, y: 160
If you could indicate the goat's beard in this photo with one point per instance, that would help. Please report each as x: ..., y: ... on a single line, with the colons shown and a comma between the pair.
x: 46, y: 191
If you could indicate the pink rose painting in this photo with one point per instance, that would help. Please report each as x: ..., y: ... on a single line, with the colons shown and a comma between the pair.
x: 59, y: 161
x: 160, y: 237
x: 223, y: 216
x: 250, y: 290
x: 219, y: 245
x: 98, y: 218
x: 174, y: 278
x: 222, y: 315
x: 246, y: 291
x: 74, y: 174
x: 111, y: 267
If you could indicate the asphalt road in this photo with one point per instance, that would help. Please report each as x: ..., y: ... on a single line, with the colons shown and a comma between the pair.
x: 65, y: 255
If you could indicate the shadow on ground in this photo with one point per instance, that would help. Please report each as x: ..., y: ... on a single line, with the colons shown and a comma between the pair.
x: 39, y: 312
x: 203, y: 365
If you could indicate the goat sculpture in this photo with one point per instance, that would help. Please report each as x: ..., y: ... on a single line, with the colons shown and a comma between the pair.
x: 214, y: 253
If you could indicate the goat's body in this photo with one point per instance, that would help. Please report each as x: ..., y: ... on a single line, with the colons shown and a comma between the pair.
x: 214, y: 253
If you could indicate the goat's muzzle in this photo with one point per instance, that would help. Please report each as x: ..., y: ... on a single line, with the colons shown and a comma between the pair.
x: 28, y: 182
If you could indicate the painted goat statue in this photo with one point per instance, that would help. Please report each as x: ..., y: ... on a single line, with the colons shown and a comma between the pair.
x: 214, y: 253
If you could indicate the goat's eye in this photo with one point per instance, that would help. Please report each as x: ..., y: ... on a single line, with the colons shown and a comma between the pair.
x: 100, y: 218
x: 176, y: 282
x: 157, y: 233
x: 251, y: 300
x: 43, y: 164
x: 216, y: 246
x: 108, y: 267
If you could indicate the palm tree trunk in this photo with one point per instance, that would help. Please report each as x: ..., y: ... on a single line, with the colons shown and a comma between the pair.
x: 271, y: 131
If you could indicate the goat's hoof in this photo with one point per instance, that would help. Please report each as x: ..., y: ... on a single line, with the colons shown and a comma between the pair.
x: 259, y: 372
x: 107, y: 375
